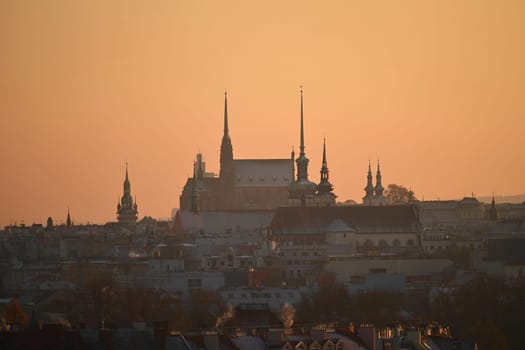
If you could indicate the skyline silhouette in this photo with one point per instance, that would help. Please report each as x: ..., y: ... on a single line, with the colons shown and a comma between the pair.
x: 435, y: 91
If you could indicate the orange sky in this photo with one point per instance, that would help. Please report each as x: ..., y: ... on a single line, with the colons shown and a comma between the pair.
x: 435, y: 89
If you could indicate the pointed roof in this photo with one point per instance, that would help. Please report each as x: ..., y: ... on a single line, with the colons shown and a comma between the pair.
x: 126, y: 180
x: 324, y: 153
x: 226, y: 143
x: 226, y: 130
x: 324, y: 187
x: 379, y: 187
x: 68, y: 220
x: 369, y: 188
x: 301, y: 154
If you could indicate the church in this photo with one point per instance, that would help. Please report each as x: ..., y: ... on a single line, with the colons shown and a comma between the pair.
x: 255, y: 184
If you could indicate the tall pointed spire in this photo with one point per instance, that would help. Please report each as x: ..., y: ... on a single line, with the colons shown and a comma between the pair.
x: 226, y: 130
x: 301, y: 149
x: 379, y: 186
x: 126, y: 208
x: 369, y: 188
x: 127, y: 186
x: 324, y: 152
x: 324, y: 187
x: 226, y: 143
x: 226, y: 173
x: 302, y: 187
x: 68, y: 220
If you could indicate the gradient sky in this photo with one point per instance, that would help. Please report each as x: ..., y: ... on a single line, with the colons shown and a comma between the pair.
x: 434, y: 89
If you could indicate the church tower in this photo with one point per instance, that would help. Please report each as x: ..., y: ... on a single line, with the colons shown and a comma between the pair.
x: 226, y: 175
x: 369, y: 188
x: 302, y: 189
x: 379, y: 198
x: 325, y: 188
x: 126, y: 209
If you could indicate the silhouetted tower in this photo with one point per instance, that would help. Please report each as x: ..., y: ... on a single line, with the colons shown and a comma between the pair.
x: 369, y: 188
x: 49, y: 222
x: 126, y: 209
x: 226, y: 175
x: 493, y: 213
x: 194, y: 192
x: 302, y: 188
x: 68, y: 220
x: 325, y: 188
x: 379, y: 199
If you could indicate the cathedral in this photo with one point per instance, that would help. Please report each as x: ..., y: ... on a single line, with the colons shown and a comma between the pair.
x: 255, y: 184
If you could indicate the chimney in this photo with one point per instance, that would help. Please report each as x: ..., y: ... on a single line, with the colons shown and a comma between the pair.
x: 211, y: 340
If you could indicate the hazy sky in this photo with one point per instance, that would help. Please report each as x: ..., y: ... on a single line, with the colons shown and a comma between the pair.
x: 434, y: 89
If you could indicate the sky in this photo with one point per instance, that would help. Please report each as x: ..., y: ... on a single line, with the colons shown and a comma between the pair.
x: 433, y: 89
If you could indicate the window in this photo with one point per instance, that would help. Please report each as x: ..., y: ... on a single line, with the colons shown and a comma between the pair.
x: 410, y: 243
x: 396, y: 243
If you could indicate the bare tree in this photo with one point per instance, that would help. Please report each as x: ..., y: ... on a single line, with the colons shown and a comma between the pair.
x: 397, y: 194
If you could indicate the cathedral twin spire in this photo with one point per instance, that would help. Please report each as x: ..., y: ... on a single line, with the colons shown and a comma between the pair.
x: 374, y: 194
